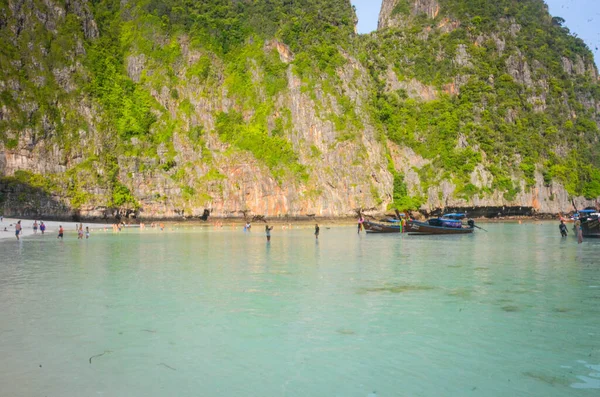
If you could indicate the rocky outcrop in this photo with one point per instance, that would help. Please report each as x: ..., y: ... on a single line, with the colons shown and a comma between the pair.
x: 396, y: 13
x: 413, y: 88
x: 540, y: 198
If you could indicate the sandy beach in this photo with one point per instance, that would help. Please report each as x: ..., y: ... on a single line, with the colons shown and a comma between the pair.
x: 279, y: 223
x: 51, y: 227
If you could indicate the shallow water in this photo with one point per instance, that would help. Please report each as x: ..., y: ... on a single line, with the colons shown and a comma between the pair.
x: 515, y: 311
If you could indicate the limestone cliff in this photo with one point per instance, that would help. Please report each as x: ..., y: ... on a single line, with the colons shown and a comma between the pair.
x: 395, y: 13
x: 165, y: 109
x: 328, y: 168
x: 512, y: 95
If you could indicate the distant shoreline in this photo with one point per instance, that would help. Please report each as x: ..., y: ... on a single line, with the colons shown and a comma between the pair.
x: 481, y: 214
x: 70, y: 227
x: 275, y: 220
x: 51, y: 227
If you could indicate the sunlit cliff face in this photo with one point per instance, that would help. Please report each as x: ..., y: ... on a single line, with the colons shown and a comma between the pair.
x: 443, y: 106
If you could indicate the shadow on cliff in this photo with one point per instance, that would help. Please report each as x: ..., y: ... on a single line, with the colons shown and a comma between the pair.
x: 487, y: 212
x: 25, y: 196
x: 19, y: 198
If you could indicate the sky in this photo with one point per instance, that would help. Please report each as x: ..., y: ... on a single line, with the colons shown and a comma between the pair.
x: 582, y: 18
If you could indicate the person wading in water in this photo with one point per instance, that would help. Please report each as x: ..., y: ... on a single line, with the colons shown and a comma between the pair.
x: 563, y: 229
x: 18, y: 229
x: 317, y: 231
x: 268, y: 232
x: 579, y: 232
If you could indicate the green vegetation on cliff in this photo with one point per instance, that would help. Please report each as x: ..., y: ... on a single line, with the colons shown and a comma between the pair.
x: 505, y: 96
x: 119, y: 98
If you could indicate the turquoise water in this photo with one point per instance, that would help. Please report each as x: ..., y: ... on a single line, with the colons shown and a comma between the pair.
x: 515, y: 311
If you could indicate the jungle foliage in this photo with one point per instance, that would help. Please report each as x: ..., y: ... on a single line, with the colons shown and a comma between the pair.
x: 504, y: 97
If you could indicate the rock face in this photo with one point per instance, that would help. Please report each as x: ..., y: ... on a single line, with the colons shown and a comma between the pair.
x: 167, y: 128
x: 342, y: 173
x: 396, y: 13
x: 463, y: 43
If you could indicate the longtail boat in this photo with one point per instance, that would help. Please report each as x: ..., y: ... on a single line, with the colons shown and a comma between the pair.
x: 590, y: 222
x: 382, y: 227
x: 447, y: 224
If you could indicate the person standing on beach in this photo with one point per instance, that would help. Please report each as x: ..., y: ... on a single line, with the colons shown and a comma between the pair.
x: 268, y: 232
x: 61, y: 231
x: 317, y: 231
x: 35, y: 227
x: 42, y: 228
x: 18, y: 229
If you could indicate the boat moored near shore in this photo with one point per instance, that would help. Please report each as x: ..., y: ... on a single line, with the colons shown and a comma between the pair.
x: 589, y: 219
x: 382, y: 227
x: 447, y: 224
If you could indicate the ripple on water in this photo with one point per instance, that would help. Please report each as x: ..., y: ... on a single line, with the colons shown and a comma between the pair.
x: 504, y: 301
x: 518, y: 291
x: 460, y: 293
x: 395, y: 289
x: 589, y: 381
x: 561, y: 310
x: 549, y: 379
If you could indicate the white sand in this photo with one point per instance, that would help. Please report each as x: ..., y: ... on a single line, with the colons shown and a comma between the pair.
x: 51, y: 228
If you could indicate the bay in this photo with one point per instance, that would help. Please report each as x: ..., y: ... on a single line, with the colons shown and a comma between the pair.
x: 203, y: 312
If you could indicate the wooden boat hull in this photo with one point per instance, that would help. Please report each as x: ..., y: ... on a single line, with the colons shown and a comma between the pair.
x: 422, y: 228
x: 373, y: 227
x: 591, y: 227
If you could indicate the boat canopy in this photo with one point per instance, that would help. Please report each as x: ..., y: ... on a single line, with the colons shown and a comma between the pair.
x: 454, y: 216
x: 587, y: 211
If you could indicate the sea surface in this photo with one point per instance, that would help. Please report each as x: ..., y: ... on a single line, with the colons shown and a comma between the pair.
x: 204, y: 312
